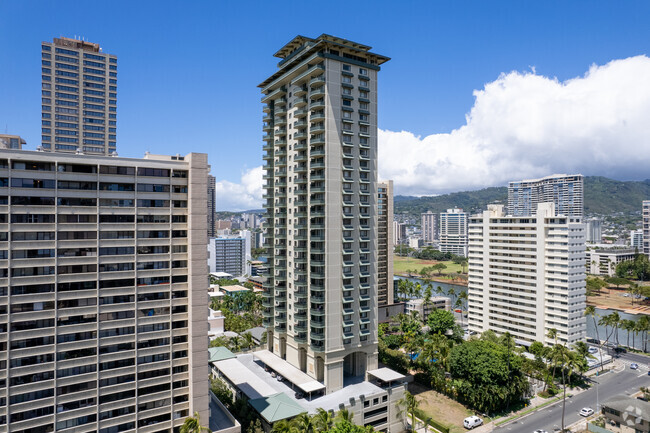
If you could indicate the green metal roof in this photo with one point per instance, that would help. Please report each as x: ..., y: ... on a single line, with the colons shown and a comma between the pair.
x: 276, y: 407
x: 219, y: 354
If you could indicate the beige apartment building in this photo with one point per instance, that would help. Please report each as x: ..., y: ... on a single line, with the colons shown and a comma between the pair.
x: 79, y: 97
x: 527, y: 275
x: 385, y: 288
x: 103, y: 292
x: 429, y: 225
x: 8, y: 141
x: 320, y: 119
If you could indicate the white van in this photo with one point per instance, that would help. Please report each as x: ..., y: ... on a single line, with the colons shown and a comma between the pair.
x: 472, y: 421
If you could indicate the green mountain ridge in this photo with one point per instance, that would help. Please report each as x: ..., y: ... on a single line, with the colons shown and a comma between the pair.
x: 603, y: 196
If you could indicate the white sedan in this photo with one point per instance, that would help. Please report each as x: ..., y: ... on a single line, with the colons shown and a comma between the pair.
x: 586, y: 411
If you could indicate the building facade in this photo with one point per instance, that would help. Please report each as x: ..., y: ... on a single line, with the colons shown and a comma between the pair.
x: 228, y: 254
x: 385, y: 294
x: 646, y: 228
x: 424, y: 309
x: 603, y: 262
x: 453, y: 232
x: 636, y: 240
x: 320, y: 167
x: 594, y: 230
x: 566, y: 191
x: 399, y: 233
x: 527, y: 275
x: 79, y: 98
x: 429, y: 224
x: 14, y: 142
x: 212, y: 202
x: 102, y: 292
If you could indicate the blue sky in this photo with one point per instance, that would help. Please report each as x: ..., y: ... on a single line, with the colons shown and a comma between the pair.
x: 188, y: 71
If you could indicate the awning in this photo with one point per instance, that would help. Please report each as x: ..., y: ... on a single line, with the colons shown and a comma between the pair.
x: 386, y: 374
x: 288, y: 371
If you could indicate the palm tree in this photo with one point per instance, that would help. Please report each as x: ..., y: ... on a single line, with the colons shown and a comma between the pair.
x: 615, y: 322
x: 282, y: 426
x: 344, y: 415
x: 590, y: 311
x: 303, y: 423
x: 408, y: 406
x: 644, y: 326
x: 192, y: 424
x: 323, y: 419
x: 248, y: 341
x: 628, y: 325
x: 451, y: 293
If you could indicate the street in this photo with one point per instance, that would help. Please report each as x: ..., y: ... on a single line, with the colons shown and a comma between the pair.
x: 609, y: 385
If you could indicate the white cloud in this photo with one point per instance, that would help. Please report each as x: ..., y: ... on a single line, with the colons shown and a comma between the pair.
x: 525, y: 125
x: 245, y: 195
x: 522, y: 125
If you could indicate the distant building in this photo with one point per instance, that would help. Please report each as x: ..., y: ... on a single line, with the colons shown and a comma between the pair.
x: 212, y: 200
x: 646, y: 227
x: 453, y: 232
x: 222, y: 224
x: 636, y: 239
x: 429, y: 223
x: 527, y: 275
x: 14, y: 142
x: 79, y: 98
x: 385, y: 245
x: 418, y: 305
x: 594, y: 230
x: 228, y: 254
x: 399, y: 233
x: 603, y: 262
x: 566, y: 191
x: 414, y: 242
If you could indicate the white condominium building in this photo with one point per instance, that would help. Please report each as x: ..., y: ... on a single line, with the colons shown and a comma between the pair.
x: 79, y: 97
x: 527, y: 275
x: 646, y: 228
x: 103, y: 292
x: 636, y: 239
x: 385, y: 245
x: 320, y: 120
x: 230, y: 254
x: 429, y: 223
x: 453, y: 232
x: 566, y: 191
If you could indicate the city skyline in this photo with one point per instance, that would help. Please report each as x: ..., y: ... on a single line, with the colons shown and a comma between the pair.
x: 462, y: 53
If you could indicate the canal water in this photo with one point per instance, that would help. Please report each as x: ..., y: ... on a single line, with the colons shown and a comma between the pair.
x: 591, y: 329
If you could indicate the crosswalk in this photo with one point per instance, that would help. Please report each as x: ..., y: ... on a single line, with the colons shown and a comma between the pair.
x: 643, y: 368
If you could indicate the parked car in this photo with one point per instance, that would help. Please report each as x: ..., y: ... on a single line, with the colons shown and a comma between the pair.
x: 472, y: 421
x: 634, y: 366
x: 586, y: 411
x: 593, y: 350
x: 540, y: 431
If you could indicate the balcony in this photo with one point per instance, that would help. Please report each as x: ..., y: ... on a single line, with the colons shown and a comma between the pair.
x: 300, y: 91
x: 317, y: 140
x: 281, y: 120
x: 280, y: 101
x: 317, y: 81
x: 319, y: 127
x: 300, y: 135
x: 274, y: 94
x: 317, y: 346
x: 316, y: 93
x: 300, y: 102
x: 301, y: 112
x: 301, y: 337
x: 317, y: 116
x: 318, y: 104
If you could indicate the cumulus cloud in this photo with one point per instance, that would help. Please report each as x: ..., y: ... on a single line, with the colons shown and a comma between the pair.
x: 245, y: 195
x: 524, y: 125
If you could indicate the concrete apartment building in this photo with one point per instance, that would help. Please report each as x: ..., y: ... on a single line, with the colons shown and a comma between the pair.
x: 212, y: 203
x: 79, y: 97
x: 527, y: 274
x: 429, y: 224
x: 453, y: 232
x: 14, y: 142
x: 399, y: 233
x: 320, y: 119
x: 103, y: 292
x: 423, y: 309
x: 646, y: 228
x: 385, y: 246
x: 228, y: 254
x: 636, y: 240
x: 566, y: 191
x: 603, y: 262
x: 594, y: 230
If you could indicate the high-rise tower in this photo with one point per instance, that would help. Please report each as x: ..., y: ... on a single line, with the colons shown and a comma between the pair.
x: 320, y: 121
x: 565, y: 191
x: 79, y: 97
x: 385, y: 245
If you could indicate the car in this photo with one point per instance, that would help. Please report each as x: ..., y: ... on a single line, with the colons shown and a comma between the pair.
x: 648, y: 372
x: 540, y: 431
x: 593, y: 350
x: 586, y: 411
x: 472, y: 421
x: 634, y: 366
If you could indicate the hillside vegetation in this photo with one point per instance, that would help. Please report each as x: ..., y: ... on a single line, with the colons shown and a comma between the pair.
x: 602, y: 196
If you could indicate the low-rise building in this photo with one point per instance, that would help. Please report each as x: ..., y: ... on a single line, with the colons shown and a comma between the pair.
x: 603, y: 262
x: 627, y: 415
x: 268, y: 381
x: 424, y: 309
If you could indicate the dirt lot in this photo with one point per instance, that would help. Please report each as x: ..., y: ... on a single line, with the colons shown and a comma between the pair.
x: 614, y: 299
x: 441, y: 408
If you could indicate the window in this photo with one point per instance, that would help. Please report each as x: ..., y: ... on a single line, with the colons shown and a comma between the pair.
x: 346, y: 80
x: 347, y: 67
x: 363, y: 71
